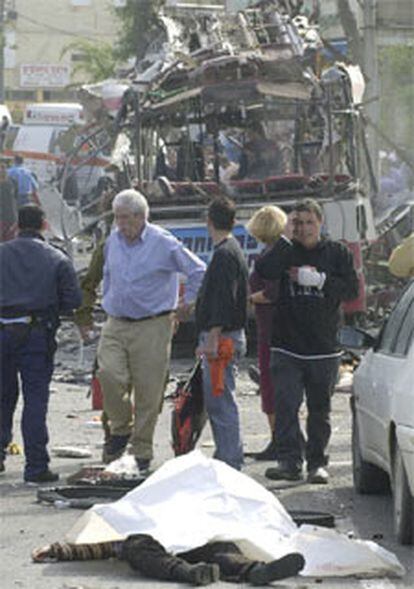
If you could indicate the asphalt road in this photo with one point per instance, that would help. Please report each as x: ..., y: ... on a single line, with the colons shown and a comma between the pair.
x: 26, y: 524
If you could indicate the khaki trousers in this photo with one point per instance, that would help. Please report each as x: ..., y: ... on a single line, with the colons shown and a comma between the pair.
x: 135, y: 354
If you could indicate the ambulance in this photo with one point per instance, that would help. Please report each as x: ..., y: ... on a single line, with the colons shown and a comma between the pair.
x: 45, y: 139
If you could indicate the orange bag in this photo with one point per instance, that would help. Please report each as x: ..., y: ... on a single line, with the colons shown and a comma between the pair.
x: 218, y: 365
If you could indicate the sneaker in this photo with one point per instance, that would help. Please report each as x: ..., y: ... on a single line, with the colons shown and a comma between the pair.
x: 318, y: 476
x: 143, y: 466
x: 284, y: 471
x: 2, y: 466
x: 113, y: 448
x: 287, y: 566
x: 47, y: 476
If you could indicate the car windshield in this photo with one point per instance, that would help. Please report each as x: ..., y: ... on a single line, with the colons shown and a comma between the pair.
x: 398, y: 330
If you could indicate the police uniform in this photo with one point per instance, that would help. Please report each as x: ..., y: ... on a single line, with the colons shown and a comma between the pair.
x: 38, y: 284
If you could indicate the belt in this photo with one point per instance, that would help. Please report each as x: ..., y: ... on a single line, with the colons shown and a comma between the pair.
x: 146, y: 318
x: 11, y: 320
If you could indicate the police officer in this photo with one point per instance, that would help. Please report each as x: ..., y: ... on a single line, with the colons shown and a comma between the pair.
x: 38, y: 284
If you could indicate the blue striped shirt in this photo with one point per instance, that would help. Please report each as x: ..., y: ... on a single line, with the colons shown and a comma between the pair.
x: 142, y: 278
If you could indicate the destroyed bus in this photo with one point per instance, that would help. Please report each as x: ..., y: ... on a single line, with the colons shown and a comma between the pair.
x: 240, y: 103
x: 252, y: 116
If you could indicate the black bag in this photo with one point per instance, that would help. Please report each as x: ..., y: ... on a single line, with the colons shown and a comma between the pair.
x: 188, y: 415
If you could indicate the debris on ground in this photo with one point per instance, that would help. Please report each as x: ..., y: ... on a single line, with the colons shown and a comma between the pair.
x: 71, y: 452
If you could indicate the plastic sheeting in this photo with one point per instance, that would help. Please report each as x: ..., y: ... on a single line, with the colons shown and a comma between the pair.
x: 192, y: 499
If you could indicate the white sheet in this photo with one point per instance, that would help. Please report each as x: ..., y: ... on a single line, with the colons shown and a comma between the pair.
x: 193, y: 499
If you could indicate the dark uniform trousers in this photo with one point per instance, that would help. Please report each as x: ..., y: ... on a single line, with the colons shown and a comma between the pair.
x: 27, y: 350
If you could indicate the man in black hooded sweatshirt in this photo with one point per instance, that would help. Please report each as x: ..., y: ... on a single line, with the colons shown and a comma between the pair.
x: 316, y: 275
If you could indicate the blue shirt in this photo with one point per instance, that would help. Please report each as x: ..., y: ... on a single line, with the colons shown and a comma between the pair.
x: 24, y: 179
x: 142, y: 278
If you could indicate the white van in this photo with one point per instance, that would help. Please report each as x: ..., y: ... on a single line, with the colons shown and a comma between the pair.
x: 49, y: 113
x: 43, y: 140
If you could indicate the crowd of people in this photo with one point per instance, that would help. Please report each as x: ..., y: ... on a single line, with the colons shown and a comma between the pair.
x: 296, y: 287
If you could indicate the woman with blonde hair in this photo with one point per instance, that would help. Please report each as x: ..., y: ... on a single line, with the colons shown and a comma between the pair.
x: 267, y: 226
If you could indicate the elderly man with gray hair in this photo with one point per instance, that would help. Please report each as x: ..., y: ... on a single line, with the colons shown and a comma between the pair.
x: 140, y: 296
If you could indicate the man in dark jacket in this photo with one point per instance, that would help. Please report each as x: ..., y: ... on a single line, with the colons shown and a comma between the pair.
x: 220, y: 319
x: 316, y: 275
x: 38, y: 284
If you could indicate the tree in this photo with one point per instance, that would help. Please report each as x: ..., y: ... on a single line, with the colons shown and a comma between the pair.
x: 139, y: 27
x: 97, y: 59
x: 397, y: 92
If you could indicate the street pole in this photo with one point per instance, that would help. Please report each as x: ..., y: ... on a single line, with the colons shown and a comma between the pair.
x: 371, y: 73
x: 2, y: 44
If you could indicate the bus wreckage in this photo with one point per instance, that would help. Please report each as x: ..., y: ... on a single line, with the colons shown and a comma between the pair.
x: 250, y: 104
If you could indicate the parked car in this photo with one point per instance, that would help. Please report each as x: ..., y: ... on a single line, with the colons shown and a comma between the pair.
x: 383, y: 412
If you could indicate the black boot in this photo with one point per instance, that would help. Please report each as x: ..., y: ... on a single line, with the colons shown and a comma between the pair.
x: 263, y: 573
x: 113, y: 448
x: 195, y: 574
x: 269, y: 453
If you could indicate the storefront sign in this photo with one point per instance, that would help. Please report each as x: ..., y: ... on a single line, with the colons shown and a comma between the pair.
x: 44, y: 75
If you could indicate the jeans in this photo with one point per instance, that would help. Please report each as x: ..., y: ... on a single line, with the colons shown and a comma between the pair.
x: 294, y: 377
x: 29, y: 351
x: 222, y: 411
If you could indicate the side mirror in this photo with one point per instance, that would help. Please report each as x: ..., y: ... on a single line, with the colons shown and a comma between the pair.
x: 355, y: 338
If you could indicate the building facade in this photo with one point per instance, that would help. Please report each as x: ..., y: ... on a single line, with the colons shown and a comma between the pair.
x: 36, y: 34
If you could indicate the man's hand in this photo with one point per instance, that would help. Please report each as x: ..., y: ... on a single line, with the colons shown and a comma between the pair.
x: 258, y: 298
x: 184, y: 311
x: 293, y: 273
x: 87, y: 333
x: 307, y: 276
x: 210, y: 346
x: 296, y: 271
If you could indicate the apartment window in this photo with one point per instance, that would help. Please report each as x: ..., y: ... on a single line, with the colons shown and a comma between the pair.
x: 59, y: 95
x: 78, y: 57
x: 20, y: 95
